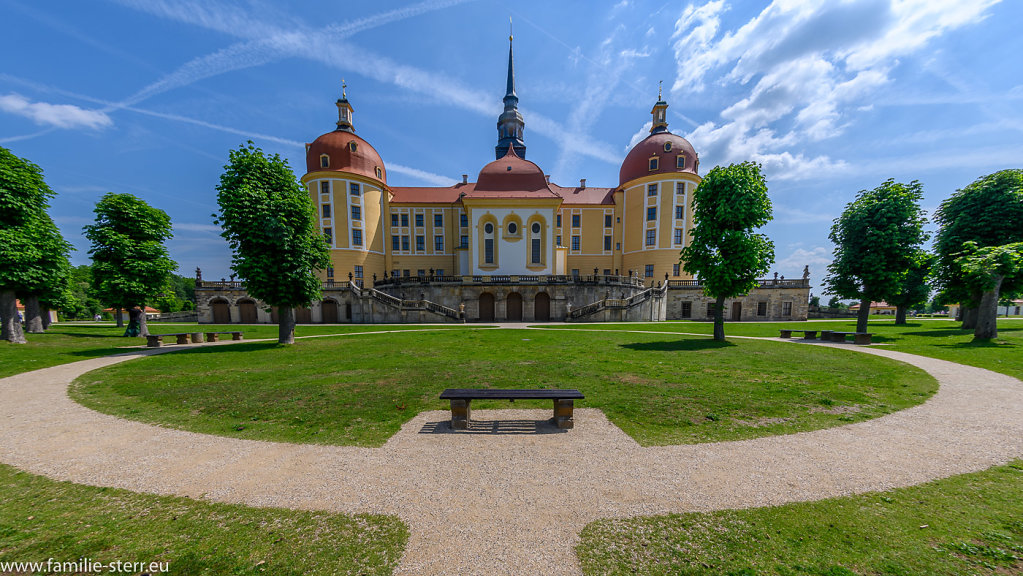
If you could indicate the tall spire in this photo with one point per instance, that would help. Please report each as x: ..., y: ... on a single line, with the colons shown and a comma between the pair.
x: 344, y: 110
x: 510, y: 125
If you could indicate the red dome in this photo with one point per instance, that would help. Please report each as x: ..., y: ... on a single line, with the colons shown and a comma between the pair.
x: 338, y: 146
x: 637, y: 163
x: 511, y: 173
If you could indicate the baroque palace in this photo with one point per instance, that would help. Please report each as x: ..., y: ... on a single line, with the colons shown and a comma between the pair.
x: 511, y: 246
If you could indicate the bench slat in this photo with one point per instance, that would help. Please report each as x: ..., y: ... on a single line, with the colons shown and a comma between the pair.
x: 497, y: 394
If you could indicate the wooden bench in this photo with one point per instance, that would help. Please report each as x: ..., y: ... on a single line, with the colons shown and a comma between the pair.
x: 215, y: 336
x: 461, y: 398
x: 156, y: 340
x: 807, y: 334
x: 858, y: 337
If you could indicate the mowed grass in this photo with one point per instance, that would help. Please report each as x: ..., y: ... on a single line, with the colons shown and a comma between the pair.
x: 41, y: 519
x: 942, y: 339
x: 359, y: 390
x: 64, y: 343
x: 964, y: 525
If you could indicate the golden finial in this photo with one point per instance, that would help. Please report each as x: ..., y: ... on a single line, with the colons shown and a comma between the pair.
x: 659, y: 83
x: 343, y: 87
x: 510, y: 35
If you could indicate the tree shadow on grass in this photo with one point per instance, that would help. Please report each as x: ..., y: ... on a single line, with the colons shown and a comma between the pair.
x: 1001, y: 344
x: 686, y: 345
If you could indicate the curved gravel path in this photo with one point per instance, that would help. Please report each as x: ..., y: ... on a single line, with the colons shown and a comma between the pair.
x: 512, y: 497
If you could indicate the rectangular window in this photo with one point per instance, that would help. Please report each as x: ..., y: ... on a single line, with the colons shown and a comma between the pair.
x: 648, y: 271
x: 575, y: 272
x: 324, y: 162
x: 394, y: 219
x: 395, y: 273
x: 786, y: 308
x: 404, y: 220
x: 463, y: 220
x: 575, y: 243
x: 358, y: 271
x: 761, y: 308
x: 607, y: 271
x: 420, y: 243
x: 405, y: 244
x: 488, y: 251
x: 438, y: 220
x: 405, y: 273
x: 651, y: 213
x: 710, y: 309
x: 559, y: 221
x: 680, y: 162
x: 395, y: 243
x: 651, y: 237
x: 677, y: 237
x: 557, y: 240
x: 326, y: 210
x: 419, y: 220
x: 324, y: 187
x: 575, y: 220
x: 653, y: 164
x: 535, y: 259
x: 607, y: 243
x: 675, y: 269
x: 420, y: 272
x: 438, y: 243
x: 354, y: 188
x: 328, y: 235
x: 680, y: 187
x: 356, y: 213
x: 440, y: 271
x: 651, y: 190
x: 687, y: 310
x: 680, y: 212
x: 464, y: 241
x: 356, y: 237
x: 607, y: 220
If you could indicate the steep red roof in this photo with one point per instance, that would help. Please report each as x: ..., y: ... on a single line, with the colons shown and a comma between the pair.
x: 511, y: 177
x: 429, y: 195
x: 587, y: 195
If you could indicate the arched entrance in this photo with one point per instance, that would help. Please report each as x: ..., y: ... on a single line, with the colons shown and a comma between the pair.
x: 514, y: 307
x: 486, y: 307
x: 247, y: 312
x: 542, y: 307
x: 329, y: 310
x: 303, y: 315
x: 221, y: 311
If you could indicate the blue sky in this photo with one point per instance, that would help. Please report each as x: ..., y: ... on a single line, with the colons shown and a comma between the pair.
x: 148, y: 96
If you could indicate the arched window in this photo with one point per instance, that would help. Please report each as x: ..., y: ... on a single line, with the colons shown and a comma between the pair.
x: 535, y: 244
x: 488, y: 243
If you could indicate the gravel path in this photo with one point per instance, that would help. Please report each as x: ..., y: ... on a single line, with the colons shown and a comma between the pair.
x: 511, y: 496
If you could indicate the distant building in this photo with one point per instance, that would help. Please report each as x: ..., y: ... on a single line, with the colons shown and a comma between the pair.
x: 877, y: 308
x: 511, y: 245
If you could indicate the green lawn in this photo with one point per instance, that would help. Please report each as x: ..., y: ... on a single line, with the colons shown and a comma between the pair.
x: 660, y: 389
x: 934, y: 338
x: 41, y: 519
x: 64, y: 343
x: 964, y: 525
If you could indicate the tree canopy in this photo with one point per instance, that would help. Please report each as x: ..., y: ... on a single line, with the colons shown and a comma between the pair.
x: 130, y: 264
x: 988, y: 269
x: 725, y: 253
x: 914, y: 290
x: 268, y: 220
x: 876, y: 240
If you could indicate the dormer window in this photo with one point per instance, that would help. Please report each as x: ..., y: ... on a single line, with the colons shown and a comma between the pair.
x: 324, y: 161
x: 667, y: 146
x: 653, y: 163
x: 352, y: 146
x: 680, y: 162
x: 379, y: 172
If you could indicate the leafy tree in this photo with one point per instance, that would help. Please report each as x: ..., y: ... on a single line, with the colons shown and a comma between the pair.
x: 725, y: 254
x: 876, y: 239
x: 988, y: 212
x: 268, y: 220
x: 914, y: 290
x: 31, y: 248
x: 130, y: 264
x: 53, y: 291
x: 815, y: 301
x: 988, y: 269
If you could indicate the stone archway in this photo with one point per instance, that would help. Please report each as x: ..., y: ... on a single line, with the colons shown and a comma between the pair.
x: 247, y: 312
x: 513, y: 305
x: 221, y: 311
x: 542, y: 307
x: 329, y: 310
x: 486, y: 307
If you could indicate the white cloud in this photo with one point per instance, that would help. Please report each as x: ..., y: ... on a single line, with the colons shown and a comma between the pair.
x: 56, y: 115
x: 428, y: 177
x: 817, y: 258
x: 640, y: 134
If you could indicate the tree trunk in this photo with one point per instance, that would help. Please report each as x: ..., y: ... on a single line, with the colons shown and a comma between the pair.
x: 969, y: 318
x: 143, y: 323
x: 33, y: 316
x: 285, y: 325
x: 46, y: 318
x: 900, y: 315
x: 719, y: 319
x: 136, y: 322
x: 118, y: 318
x: 10, y: 328
x: 863, y: 315
x: 987, y: 313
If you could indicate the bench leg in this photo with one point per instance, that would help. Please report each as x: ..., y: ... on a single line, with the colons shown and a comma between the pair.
x: 785, y: 334
x: 197, y: 338
x: 154, y: 341
x: 809, y: 335
x: 212, y: 337
x: 236, y: 336
x: 182, y: 338
x: 563, y: 414
x: 863, y: 338
x: 460, y: 413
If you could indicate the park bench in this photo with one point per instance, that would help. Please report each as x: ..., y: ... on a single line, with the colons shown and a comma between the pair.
x: 156, y: 340
x: 858, y: 337
x: 807, y: 334
x: 215, y: 336
x: 461, y: 398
